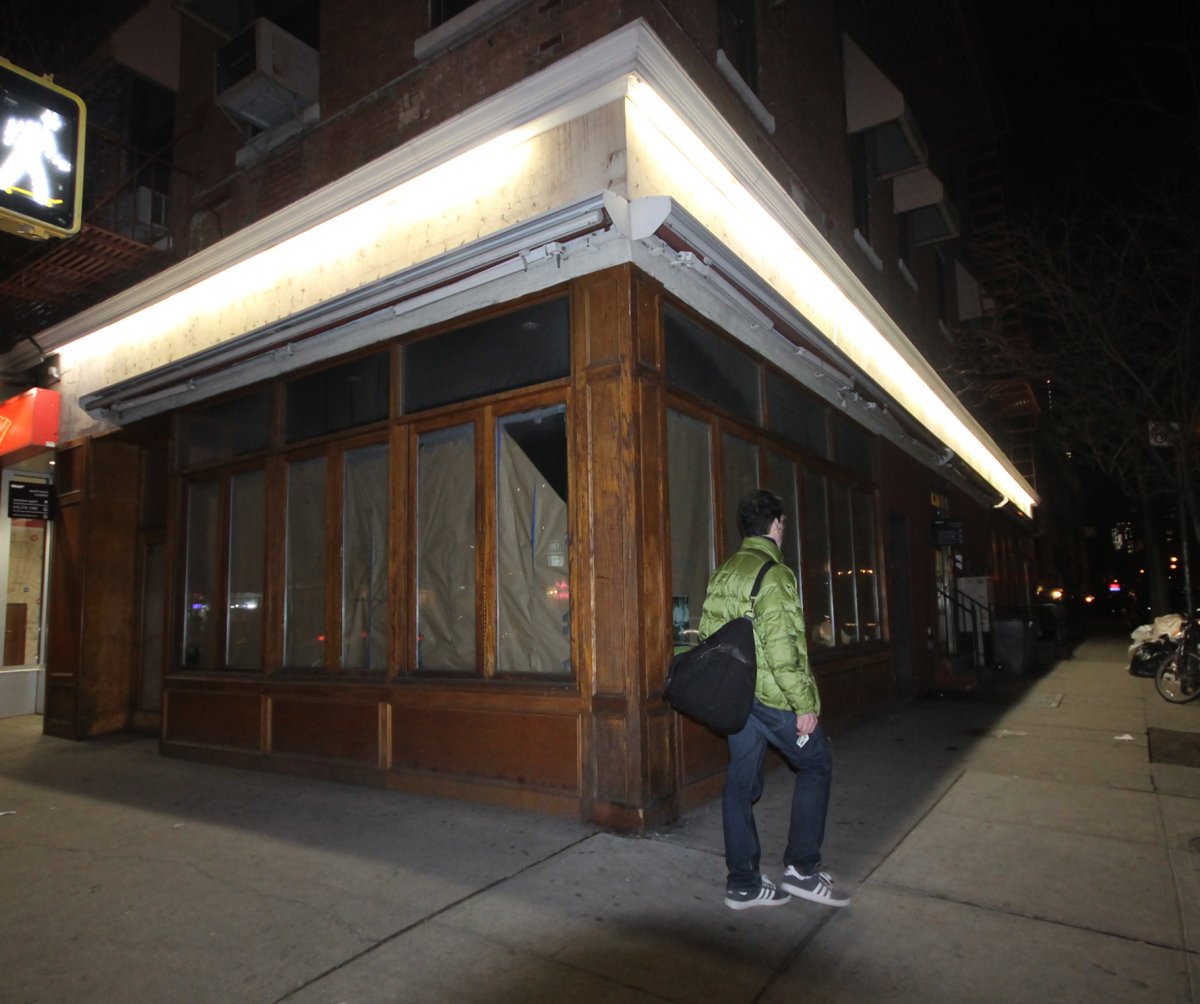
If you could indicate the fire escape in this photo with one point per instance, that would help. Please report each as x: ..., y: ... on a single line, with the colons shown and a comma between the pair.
x: 125, y: 236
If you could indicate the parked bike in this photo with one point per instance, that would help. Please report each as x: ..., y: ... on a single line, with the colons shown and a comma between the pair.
x: 1178, y: 676
x: 1153, y: 644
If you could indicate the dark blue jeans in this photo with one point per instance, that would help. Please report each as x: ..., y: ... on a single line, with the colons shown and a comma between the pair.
x: 813, y: 765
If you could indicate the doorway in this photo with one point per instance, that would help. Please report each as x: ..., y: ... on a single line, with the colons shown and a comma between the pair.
x: 24, y: 566
x: 900, y: 609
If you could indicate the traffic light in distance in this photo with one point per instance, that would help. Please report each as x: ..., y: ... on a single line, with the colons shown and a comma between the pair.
x: 41, y: 155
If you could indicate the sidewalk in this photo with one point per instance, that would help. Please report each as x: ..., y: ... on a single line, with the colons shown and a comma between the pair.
x: 999, y: 850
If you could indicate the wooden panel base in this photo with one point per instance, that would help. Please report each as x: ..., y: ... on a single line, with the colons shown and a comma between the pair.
x: 510, y: 747
x: 327, y: 730
x: 222, y: 720
x: 527, y: 749
x: 856, y: 687
x: 486, y: 747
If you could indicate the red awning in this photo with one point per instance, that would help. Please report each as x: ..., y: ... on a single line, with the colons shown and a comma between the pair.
x: 28, y: 424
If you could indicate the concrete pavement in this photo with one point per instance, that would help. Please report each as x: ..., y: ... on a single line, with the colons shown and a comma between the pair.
x: 1018, y: 845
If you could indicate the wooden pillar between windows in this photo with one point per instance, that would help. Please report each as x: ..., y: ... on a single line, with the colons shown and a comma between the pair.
x: 622, y: 608
x: 93, y: 590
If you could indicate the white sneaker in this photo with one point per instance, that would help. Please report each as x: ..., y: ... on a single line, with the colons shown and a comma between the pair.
x: 817, y: 887
x: 765, y: 895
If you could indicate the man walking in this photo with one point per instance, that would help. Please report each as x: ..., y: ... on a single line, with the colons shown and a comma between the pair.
x: 784, y: 714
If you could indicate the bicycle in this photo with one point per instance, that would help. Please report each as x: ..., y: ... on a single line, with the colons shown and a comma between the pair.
x: 1178, y: 676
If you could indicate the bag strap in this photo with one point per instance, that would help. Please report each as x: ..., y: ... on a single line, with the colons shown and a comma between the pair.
x: 762, y: 574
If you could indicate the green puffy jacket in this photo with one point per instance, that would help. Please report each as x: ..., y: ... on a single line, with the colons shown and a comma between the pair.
x: 784, y: 678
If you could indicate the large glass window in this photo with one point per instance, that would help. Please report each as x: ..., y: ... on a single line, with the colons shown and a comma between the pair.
x: 338, y: 398
x: 853, y: 448
x: 304, y: 595
x: 446, y: 549
x: 200, y: 616
x: 781, y: 477
x: 818, y: 580
x: 532, y: 580
x: 796, y: 416
x: 365, y: 552
x: 830, y: 534
x: 715, y: 370
x: 867, y: 590
x: 225, y: 430
x: 689, y: 493
x: 244, y: 605
x: 294, y: 566
x: 845, y: 600
x: 739, y: 477
x: 518, y: 349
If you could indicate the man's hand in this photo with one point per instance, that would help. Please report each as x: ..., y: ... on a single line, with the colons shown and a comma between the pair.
x: 805, y: 724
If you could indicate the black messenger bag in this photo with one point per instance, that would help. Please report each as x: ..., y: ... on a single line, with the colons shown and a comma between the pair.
x: 713, y: 683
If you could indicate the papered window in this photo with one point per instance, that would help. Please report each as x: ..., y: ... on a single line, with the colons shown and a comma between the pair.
x: 447, y: 550
x: 337, y: 555
x: 366, y: 620
x: 291, y: 497
x: 512, y: 561
x: 304, y: 622
x: 533, y: 597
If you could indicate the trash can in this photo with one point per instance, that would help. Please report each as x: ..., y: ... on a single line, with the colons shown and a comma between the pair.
x: 1012, y: 645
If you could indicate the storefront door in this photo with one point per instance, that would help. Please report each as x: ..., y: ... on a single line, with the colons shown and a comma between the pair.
x: 24, y: 554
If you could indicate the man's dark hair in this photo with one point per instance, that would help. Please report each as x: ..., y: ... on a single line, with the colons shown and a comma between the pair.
x: 757, y: 511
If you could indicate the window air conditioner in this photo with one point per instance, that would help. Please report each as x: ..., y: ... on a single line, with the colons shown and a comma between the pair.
x: 141, y: 213
x: 265, y: 76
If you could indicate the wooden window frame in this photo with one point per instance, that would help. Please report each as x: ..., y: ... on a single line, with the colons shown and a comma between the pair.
x: 399, y: 431
x: 485, y: 417
x: 721, y: 423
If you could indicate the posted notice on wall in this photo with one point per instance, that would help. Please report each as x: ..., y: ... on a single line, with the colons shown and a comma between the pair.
x: 29, y: 501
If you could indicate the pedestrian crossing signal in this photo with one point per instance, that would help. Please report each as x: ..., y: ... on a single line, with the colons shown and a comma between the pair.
x: 41, y: 155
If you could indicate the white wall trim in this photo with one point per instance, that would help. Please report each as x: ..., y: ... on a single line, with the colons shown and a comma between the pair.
x: 759, y: 110
x: 864, y: 246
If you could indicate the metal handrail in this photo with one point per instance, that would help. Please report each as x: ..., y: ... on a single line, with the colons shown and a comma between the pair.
x: 966, y: 612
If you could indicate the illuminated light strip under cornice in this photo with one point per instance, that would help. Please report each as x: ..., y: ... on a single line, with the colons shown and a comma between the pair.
x: 356, y: 321
x: 751, y: 208
x: 696, y: 236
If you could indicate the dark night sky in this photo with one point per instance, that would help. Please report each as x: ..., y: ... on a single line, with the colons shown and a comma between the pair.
x: 1095, y: 92
x: 1100, y: 97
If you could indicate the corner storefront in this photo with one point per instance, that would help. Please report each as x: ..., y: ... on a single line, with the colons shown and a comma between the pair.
x: 431, y: 512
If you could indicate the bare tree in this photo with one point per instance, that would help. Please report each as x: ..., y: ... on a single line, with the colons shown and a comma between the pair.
x: 1108, y: 295
x: 1101, y: 276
